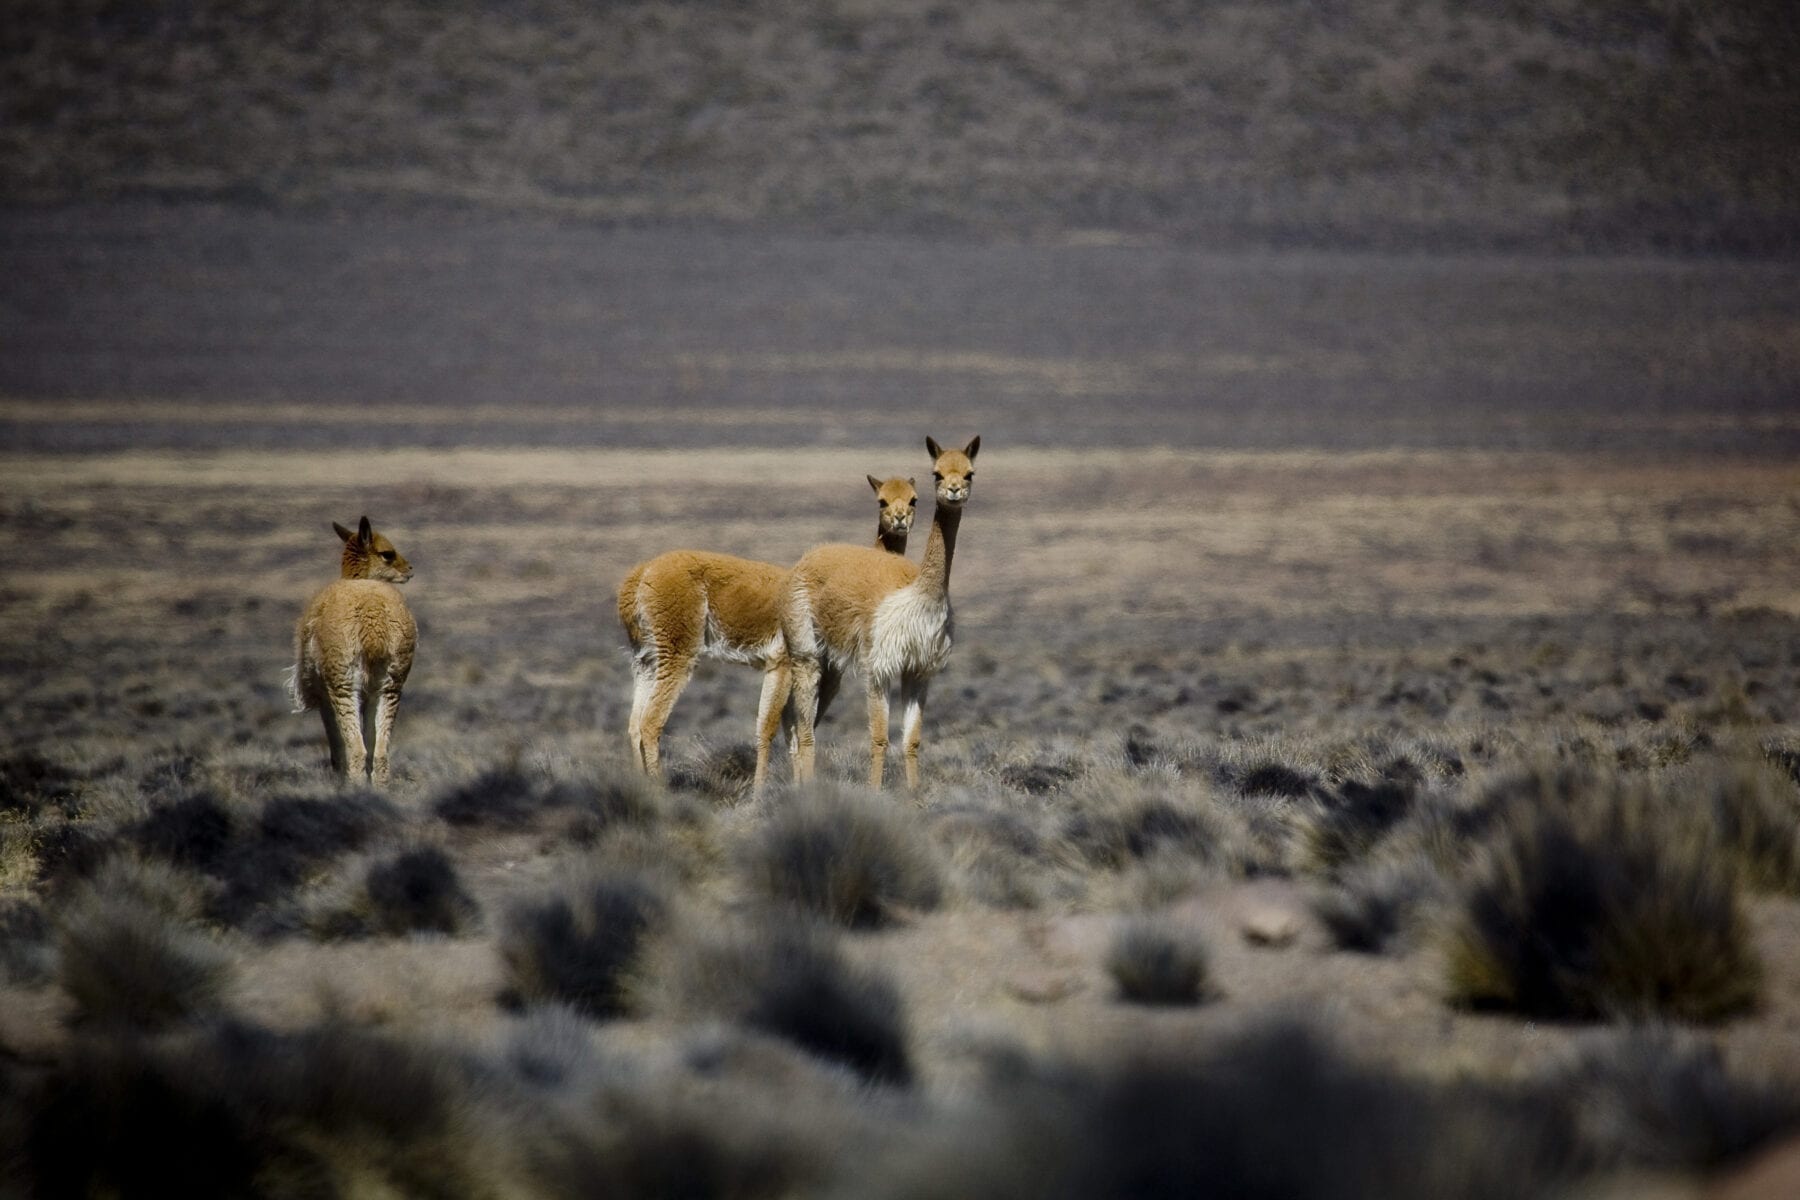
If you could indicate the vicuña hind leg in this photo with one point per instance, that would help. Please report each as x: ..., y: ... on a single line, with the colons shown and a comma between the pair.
x: 347, y: 718
x: 805, y: 699
x: 672, y: 675
x: 878, y: 731
x: 334, y: 739
x: 773, y: 712
x: 385, y: 708
x: 912, y: 724
x: 643, y: 675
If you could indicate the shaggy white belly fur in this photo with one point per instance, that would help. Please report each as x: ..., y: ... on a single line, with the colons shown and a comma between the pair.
x: 910, y: 635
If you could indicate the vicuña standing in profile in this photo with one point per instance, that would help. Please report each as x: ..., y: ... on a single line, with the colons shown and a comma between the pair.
x: 848, y: 605
x: 353, y: 649
x: 686, y: 605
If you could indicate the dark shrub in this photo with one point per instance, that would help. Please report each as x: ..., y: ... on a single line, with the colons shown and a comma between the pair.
x: 1038, y: 778
x: 1271, y: 1112
x: 1158, y: 962
x: 1111, y: 833
x: 801, y: 989
x: 1355, y: 815
x: 30, y: 783
x: 845, y: 857
x: 1756, y: 810
x: 418, y: 889
x: 294, y: 835
x: 128, y: 964
x: 194, y: 831
x: 578, y: 947
x: 1603, y: 902
x: 1657, y: 1099
x: 1273, y: 779
x: 1372, y: 908
x: 25, y: 937
x: 505, y: 798
x: 724, y: 774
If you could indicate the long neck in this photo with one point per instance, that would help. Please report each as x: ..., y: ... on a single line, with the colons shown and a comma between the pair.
x: 356, y: 562
x: 940, y: 548
x: 891, y: 540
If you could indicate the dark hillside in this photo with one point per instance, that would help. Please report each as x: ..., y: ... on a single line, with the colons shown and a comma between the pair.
x: 1568, y: 124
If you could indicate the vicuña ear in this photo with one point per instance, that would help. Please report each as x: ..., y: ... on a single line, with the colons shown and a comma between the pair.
x: 912, y: 483
x: 874, y: 484
x: 936, y: 450
x: 342, y: 532
x: 364, y: 532
x: 972, y: 447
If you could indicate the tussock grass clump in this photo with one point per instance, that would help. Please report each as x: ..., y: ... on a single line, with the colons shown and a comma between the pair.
x: 125, y: 964
x: 26, y: 957
x: 1379, y: 906
x: 849, y: 858
x: 578, y: 947
x: 418, y: 889
x: 1601, y: 899
x: 1657, y: 1098
x: 1158, y: 962
x: 722, y: 775
x: 995, y: 856
x: 513, y: 798
x: 31, y: 783
x: 1039, y: 778
x: 230, y: 1109
x: 1270, y: 1111
x: 791, y: 980
x: 1356, y: 814
x: 193, y: 831
x: 1756, y: 810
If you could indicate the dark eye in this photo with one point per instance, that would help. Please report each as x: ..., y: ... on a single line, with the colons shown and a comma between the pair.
x: 938, y: 475
x: 882, y: 502
x: 913, y: 503
x: 388, y: 555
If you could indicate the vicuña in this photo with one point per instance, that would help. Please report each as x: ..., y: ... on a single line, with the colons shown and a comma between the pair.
x: 686, y: 605
x: 353, y: 650
x: 848, y: 605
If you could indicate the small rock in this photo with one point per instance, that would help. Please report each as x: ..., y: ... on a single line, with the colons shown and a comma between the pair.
x: 1267, y: 925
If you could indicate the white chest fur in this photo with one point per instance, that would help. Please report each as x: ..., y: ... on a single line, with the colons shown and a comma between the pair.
x: 910, y: 635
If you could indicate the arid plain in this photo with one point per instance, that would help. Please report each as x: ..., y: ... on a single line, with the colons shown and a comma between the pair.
x: 1294, y: 591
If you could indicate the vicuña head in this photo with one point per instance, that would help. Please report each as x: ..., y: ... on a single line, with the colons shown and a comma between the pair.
x: 848, y: 605
x: 898, y: 501
x: 368, y: 555
x: 686, y: 605
x: 353, y: 649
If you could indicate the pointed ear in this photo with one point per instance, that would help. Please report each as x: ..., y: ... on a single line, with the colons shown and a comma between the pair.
x: 934, y: 448
x: 874, y: 484
x: 364, y: 533
x: 972, y: 447
x: 912, y: 483
x: 342, y: 532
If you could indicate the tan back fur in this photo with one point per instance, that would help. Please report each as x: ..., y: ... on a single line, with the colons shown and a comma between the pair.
x: 353, y: 651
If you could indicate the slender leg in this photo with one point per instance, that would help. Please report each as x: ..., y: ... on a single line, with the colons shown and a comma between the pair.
x: 386, y: 707
x: 672, y: 674
x: 345, y: 712
x: 912, y: 724
x: 804, y: 673
x: 878, y: 731
x: 334, y: 739
x: 643, y: 676
x: 772, y: 712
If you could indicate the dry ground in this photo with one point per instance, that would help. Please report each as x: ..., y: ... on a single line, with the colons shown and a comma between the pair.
x: 1301, y: 693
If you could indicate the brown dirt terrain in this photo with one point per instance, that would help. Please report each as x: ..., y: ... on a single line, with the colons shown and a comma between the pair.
x: 1260, y: 544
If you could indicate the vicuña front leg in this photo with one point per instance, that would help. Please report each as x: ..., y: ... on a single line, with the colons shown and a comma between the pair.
x: 878, y: 732
x: 912, y: 701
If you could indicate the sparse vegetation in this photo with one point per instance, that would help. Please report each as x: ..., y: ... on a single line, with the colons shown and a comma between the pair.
x: 1601, y: 899
x: 578, y: 946
x: 845, y: 856
x: 1158, y: 962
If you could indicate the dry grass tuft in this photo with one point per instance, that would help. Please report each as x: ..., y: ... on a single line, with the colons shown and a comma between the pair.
x: 845, y: 856
x: 1600, y: 898
x: 579, y: 946
x: 128, y: 965
x: 1158, y: 962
